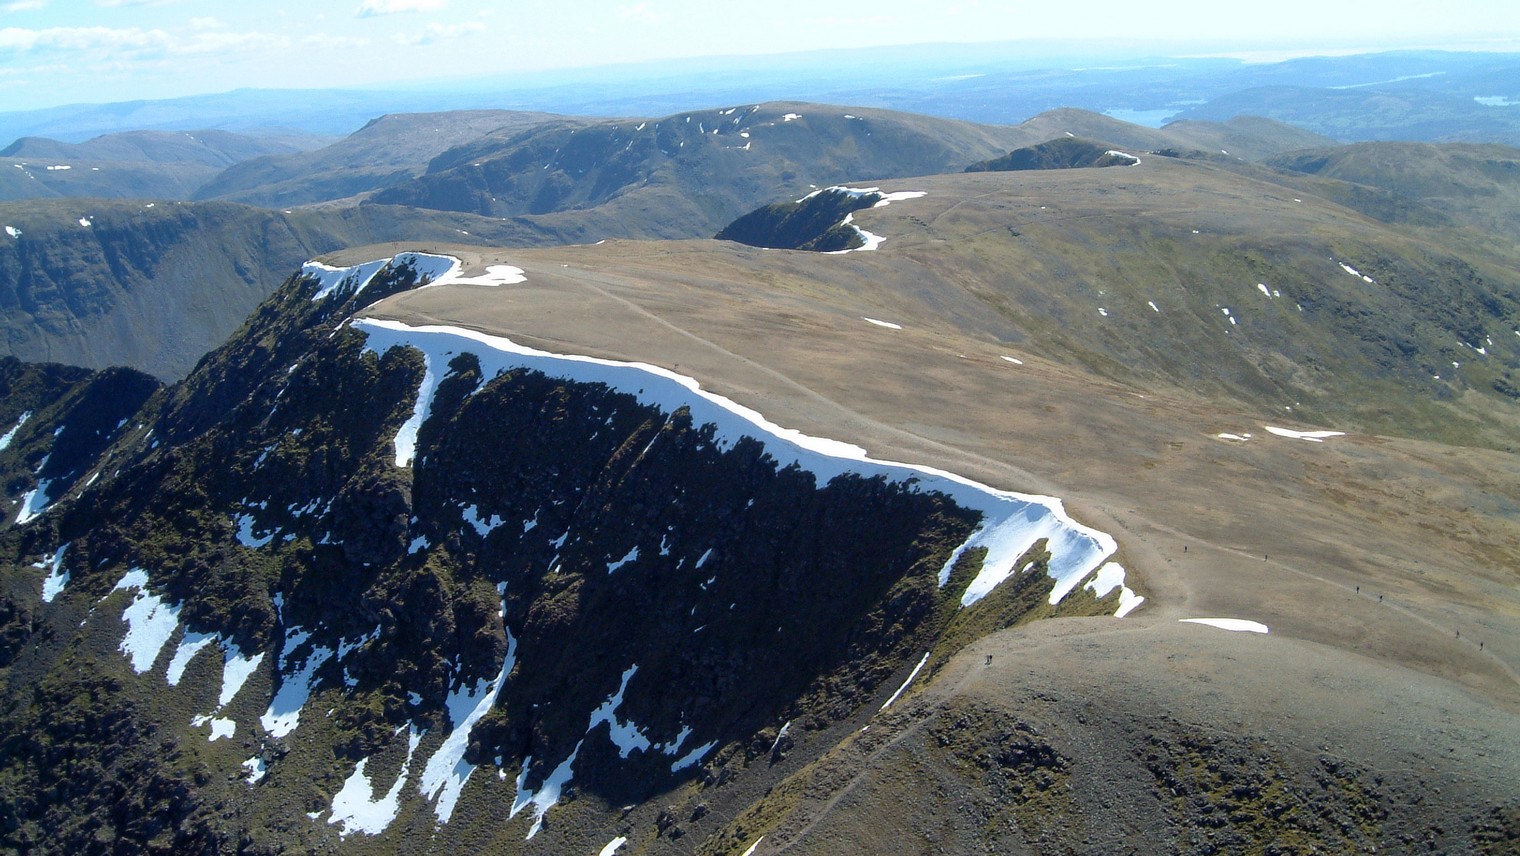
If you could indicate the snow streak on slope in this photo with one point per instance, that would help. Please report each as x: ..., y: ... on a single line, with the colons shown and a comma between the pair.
x: 5, y: 439
x: 34, y: 502
x: 284, y: 712
x: 236, y: 668
x: 547, y: 794
x: 447, y: 771
x: 53, y: 584
x: 406, y: 436
x: 351, y: 279
x: 188, y: 648
x: 908, y: 680
x: 1011, y: 522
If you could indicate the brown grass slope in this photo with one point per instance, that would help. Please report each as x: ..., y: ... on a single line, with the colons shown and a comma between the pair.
x: 1473, y: 185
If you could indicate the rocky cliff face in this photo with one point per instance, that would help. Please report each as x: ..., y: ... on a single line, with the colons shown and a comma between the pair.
x: 352, y: 579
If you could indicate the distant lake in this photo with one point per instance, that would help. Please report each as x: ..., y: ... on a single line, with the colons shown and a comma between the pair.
x: 1148, y: 118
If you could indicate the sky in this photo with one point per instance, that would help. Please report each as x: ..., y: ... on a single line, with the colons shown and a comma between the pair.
x: 93, y: 51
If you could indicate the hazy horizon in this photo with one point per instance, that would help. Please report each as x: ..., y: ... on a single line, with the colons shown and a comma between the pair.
x: 55, y: 54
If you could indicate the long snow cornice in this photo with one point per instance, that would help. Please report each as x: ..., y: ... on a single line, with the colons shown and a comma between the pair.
x: 1011, y: 522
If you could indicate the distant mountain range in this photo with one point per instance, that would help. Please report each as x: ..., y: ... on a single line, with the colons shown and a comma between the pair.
x: 106, y: 293
x: 1407, y: 95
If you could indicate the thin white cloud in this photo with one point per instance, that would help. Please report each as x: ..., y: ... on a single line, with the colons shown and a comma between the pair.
x: 373, y: 8
x: 24, y: 5
x: 125, y: 46
x: 439, y: 33
x: 22, y: 40
x: 226, y: 42
x: 112, y: 4
x: 640, y: 12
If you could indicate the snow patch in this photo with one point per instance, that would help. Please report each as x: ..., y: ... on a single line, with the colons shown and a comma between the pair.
x: 406, y: 435
x: 34, y: 501
x: 221, y: 728
x: 236, y: 667
x: 284, y: 712
x: 150, y: 621
x: 13, y: 231
x: 1240, y: 625
x: 1311, y: 436
x: 613, y: 846
x: 626, y: 736
x: 53, y: 584
x: 256, y: 769
x: 1108, y: 578
x: 1354, y: 272
x: 355, y: 806
x: 693, y: 757
x: 887, y: 324
x: 632, y: 555
x: 481, y: 524
x: 245, y: 528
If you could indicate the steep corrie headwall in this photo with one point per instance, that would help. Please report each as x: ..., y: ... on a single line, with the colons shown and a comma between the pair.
x: 427, y: 584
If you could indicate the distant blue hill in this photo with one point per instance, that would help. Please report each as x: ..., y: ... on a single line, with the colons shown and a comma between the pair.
x: 1445, y: 95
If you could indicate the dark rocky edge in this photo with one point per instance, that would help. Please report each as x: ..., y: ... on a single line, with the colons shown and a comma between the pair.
x: 1060, y: 153
x: 816, y: 222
